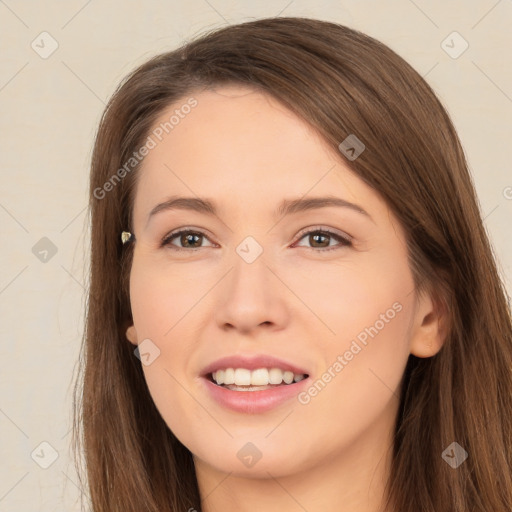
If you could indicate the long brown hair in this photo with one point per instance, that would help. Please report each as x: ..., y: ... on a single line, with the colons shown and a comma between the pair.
x: 342, y: 82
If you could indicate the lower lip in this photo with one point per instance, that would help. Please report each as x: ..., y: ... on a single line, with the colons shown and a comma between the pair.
x: 254, y: 402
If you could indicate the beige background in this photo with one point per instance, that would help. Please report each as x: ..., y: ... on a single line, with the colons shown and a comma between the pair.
x: 50, y: 110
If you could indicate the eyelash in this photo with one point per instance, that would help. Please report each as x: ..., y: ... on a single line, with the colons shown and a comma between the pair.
x: 344, y: 241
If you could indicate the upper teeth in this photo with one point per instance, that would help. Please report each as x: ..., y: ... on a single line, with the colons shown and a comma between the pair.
x: 259, y: 377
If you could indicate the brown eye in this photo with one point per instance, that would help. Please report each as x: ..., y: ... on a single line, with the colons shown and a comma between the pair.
x: 318, y: 240
x: 187, y: 239
x: 190, y: 240
x: 321, y: 239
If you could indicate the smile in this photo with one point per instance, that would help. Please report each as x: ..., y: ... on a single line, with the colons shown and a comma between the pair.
x: 243, y: 379
x: 253, y: 383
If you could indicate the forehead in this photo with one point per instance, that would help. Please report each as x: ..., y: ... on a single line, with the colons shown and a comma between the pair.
x: 240, y: 145
x: 238, y: 125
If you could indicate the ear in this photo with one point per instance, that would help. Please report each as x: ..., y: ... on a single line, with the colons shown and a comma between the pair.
x: 131, y: 335
x: 428, y: 326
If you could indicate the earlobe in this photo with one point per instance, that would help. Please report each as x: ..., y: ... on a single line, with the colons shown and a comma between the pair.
x: 131, y: 335
x: 429, y: 332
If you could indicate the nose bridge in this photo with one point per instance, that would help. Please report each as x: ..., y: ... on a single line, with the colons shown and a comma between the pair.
x: 249, y: 280
x: 251, y: 294
x: 250, y: 272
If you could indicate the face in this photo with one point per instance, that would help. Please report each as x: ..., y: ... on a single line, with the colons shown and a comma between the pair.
x: 319, y: 294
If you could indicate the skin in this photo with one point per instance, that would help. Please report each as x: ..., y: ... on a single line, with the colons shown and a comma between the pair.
x: 296, y: 301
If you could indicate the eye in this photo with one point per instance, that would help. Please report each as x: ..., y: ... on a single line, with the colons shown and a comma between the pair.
x: 189, y: 239
x: 321, y: 239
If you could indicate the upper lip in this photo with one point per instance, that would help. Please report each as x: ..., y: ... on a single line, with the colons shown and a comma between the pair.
x: 252, y: 362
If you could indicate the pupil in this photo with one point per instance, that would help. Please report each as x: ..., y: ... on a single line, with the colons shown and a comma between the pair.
x: 316, y: 237
x: 188, y: 237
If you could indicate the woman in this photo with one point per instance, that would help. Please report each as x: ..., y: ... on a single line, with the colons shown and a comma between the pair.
x: 293, y: 300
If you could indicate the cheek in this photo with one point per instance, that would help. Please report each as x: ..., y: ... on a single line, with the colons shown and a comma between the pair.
x: 160, y: 296
x: 368, y: 310
x: 163, y: 311
x: 354, y: 299
x: 358, y: 388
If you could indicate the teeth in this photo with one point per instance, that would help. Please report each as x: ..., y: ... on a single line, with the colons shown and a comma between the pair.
x: 229, y: 376
x: 275, y: 376
x: 242, y: 377
x: 288, y: 377
x: 259, y: 377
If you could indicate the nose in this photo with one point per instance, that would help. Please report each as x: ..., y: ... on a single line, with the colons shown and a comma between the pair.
x: 251, y: 297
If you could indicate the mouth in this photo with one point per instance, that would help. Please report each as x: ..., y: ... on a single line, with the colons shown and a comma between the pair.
x: 254, y: 390
x: 259, y: 379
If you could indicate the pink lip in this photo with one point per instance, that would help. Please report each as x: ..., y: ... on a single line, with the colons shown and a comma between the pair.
x: 251, y: 363
x: 253, y: 402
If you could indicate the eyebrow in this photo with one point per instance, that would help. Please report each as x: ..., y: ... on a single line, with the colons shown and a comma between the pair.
x: 286, y: 207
